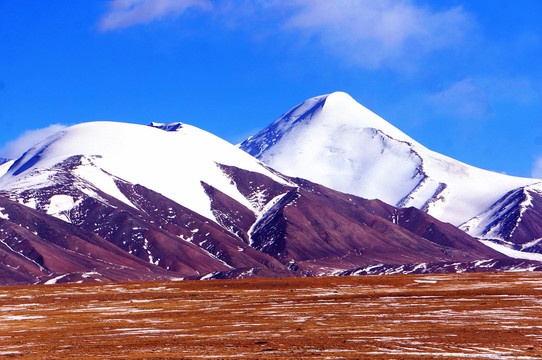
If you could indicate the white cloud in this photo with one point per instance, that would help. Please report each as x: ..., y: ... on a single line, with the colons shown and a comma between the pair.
x: 376, y: 33
x: 367, y: 33
x: 16, y: 148
x: 537, y: 169
x: 464, y: 99
x: 126, y: 13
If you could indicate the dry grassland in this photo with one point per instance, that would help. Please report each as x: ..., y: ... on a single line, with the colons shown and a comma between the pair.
x: 471, y: 316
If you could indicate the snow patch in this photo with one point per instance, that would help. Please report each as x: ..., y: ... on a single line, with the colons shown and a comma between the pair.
x: 2, y: 215
x: 55, y: 279
x: 531, y: 243
x: 20, y: 317
x: 89, y: 274
x: 262, y: 215
x: 60, y: 207
x: 516, y: 254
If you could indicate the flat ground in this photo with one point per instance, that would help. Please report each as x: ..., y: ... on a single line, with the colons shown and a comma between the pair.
x: 472, y: 316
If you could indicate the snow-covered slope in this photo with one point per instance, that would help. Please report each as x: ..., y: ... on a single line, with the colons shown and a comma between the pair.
x: 335, y: 141
x: 171, y: 159
x: 5, y: 165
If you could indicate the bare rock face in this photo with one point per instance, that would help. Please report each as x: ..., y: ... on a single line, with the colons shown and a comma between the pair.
x: 35, y: 247
x: 322, y: 230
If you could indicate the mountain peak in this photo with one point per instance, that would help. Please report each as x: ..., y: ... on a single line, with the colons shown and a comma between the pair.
x: 340, y: 98
x: 335, y: 141
x: 341, y: 109
x: 325, y: 116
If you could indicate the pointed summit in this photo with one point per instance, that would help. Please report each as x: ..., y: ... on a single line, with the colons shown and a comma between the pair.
x: 340, y: 110
x: 335, y: 141
x: 330, y: 113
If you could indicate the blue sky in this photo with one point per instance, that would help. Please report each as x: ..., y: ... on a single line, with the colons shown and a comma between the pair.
x: 463, y: 78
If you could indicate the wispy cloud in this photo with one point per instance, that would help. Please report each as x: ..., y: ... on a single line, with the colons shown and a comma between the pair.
x: 464, y: 99
x: 376, y: 33
x: 472, y: 98
x: 537, y: 169
x: 16, y: 148
x: 126, y: 13
x: 367, y: 33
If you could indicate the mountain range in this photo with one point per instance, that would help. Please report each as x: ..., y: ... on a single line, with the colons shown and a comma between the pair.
x: 327, y: 189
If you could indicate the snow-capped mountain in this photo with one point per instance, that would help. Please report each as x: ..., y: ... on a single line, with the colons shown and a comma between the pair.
x: 164, y: 161
x: 115, y: 201
x: 335, y: 141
